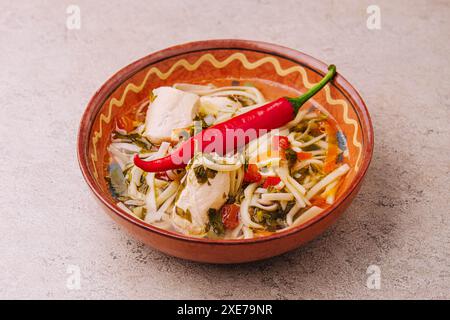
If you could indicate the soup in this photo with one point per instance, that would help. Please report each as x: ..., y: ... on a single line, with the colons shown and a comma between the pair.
x: 280, y: 179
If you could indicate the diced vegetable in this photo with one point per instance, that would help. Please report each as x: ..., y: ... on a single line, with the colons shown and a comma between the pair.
x: 203, y: 174
x: 230, y: 215
x: 304, y: 156
x: 271, y: 181
x: 117, y: 179
x: 280, y: 142
x: 318, y: 201
x: 215, y: 221
x: 279, y: 146
x: 252, y: 174
x: 125, y: 123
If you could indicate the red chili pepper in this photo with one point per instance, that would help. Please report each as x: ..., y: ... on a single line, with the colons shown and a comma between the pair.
x: 271, y: 181
x: 230, y: 215
x: 234, y: 133
x: 252, y: 174
x: 162, y: 175
x: 304, y: 155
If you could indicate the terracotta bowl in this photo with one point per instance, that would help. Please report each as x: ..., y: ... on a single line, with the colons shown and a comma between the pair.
x: 276, y: 71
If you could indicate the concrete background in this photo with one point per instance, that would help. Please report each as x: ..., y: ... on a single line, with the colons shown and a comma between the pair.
x: 50, y: 221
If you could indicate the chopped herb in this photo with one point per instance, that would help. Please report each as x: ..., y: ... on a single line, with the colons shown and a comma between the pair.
x: 184, y: 214
x: 143, y: 188
x: 203, y: 174
x: 128, y: 175
x: 291, y: 156
x: 215, y: 221
x: 211, y: 174
x: 300, y: 127
x: 340, y: 157
x: 137, y: 139
x: 123, y: 198
x: 139, y: 212
x: 231, y: 199
x: 311, y: 147
x: 246, y: 166
x: 200, y: 119
x: 272, y: 220
x: 244, y: 101
x: 200, y: 174
x: 116, y: 180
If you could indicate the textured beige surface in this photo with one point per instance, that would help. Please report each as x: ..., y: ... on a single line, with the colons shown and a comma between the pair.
x: 49, y: 220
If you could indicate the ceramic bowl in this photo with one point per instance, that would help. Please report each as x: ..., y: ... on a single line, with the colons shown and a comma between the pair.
x: 276, y: 71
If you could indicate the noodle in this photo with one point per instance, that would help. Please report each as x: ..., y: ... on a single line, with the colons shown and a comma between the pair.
x: 307, y: 215
x: 328, y: 179
x: 245, y: 205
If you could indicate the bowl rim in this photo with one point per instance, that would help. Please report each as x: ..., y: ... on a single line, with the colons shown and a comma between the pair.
x: 102, y: 94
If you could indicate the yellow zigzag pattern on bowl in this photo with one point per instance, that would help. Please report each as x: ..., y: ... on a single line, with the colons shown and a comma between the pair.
x: 347, y: 120
x: 218, y: 64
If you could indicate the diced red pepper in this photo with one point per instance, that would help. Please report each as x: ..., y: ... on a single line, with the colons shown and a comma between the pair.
x: 271, y: 181
x: 252, y: 174
x: 280, y: 142
x: 125, y: 123
x: 303, y: 156
x: 319, y: 202
x: 230, y: 216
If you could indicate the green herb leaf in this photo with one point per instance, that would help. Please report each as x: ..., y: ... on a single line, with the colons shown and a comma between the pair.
x: 215, y: 221
x: 184, y: 214
x: 200, y: 174
x: 203, y: 174
x: 135, y: 138
x: 231, y: 199
x: 272, y: 220
x: 116, y: 180
x: 291, y: 156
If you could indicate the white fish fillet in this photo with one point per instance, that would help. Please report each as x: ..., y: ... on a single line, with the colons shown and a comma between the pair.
x: 171, y: 109
x: 198, y: 199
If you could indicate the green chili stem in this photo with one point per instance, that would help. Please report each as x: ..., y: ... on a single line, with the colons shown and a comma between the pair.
x: 299, y: 101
